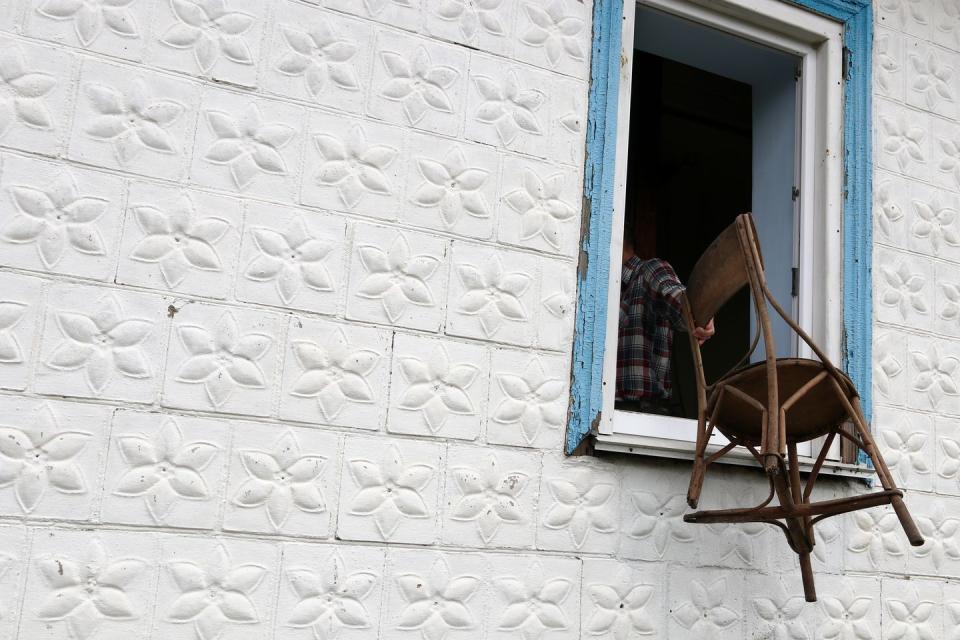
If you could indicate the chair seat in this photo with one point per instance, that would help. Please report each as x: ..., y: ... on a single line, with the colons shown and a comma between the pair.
x: 814, y: 416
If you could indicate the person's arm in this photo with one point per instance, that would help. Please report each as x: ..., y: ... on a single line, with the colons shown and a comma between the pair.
x: 667, y: 292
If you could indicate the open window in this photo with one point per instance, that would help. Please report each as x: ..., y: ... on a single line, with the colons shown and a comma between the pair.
x: 725, y: 109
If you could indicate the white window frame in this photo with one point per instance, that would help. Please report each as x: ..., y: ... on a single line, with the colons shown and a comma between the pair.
x: 818, y: 42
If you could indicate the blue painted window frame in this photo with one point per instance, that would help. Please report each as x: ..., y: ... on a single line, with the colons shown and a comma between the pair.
x: 589, y: 340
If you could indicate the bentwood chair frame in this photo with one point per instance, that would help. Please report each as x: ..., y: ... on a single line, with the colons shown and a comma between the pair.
x: 770, y: 406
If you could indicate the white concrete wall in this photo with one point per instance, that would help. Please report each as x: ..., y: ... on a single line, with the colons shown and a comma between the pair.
x: 282, y: 283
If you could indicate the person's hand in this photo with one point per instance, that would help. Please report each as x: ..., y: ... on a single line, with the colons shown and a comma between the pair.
x: 702, y: 334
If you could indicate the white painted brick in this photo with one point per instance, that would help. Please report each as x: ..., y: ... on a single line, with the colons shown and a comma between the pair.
x: 533, y: 597
x: 555, y: 35
x: 490, y: 497
x: 775, y: 606
x: 936, y: 518
x: 335, y: 374
x: 115, y: 30
x: 902, y: 138
x: 59, y: 219
x: 483, y: 26
x: 353, y: 577
x: 557, y: 307
x: 179, y: 240
x: 62, y: 446
x: 705, y: 603
x: 934, y: 229
x: 438, y: 388
x: 933, y: 374
x: 282, y: 480
x: 735, y: 545
x: 293, y: 258
x: 389, y: 490
x: 652, y: 504
x: 578, y: 509
x: 20, y: 310
x: 102, y: 343
x: 621, y: 599
x: 848, y: 605
x: 527, y: 399
x: 223, y: 359
x: 405, y: 14
x: 874, y: 541
x: 904, y: 289
x: 13, y: 540
x: 906, y: 442
x: 911, y: 608
x: 165, y: 470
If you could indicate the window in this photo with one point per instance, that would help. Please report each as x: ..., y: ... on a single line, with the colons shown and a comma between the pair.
x: 726, y: 108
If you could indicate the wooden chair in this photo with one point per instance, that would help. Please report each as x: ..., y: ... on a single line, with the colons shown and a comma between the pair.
x: 771, y: 406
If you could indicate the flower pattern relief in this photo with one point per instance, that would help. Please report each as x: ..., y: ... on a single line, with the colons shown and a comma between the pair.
x: 950, y: 464
x: 935, y: 375
x: 281, y: 480
x: 10, y: 315
x: 887, y: 211
x: 222, y: 360
x: 902, y: 140
x: 620, y: 612
x: 734, y: 541
x: 214, y: 594
x: 560, y: 303
x: 489, y: 496
x: 331, y: 599
x: 705, y: 613
x: 885, y: 369
x: 847, y: 616
x: 22, y: 92
x: 904, y: 453
x: 582, y: 503
x: 209, y: 29
x: 102, y: 343
x: 887, y: 65
x: 492, y: 295
x: 389, y: 490
x: 437, y: 388
x: 659, y: 520
x: 541, y: 207
x: 950, y: 157
x: 905, y: 10
x: 935, y: 223
x: 473, y: 16
x: 89, y: 17
x: 533, y: 603
x: 556, y: 32
x: 781, y: 617
x: 418, y: 84
x: 90, y: 592
x: 911, y: 617
x: 291, y: 259
x: 54, y: 219
x: 509, y: 108
x: 397, y: 278
x: 877, y: 535
x: 40, y: 455
x: 334, y: 373
x: 164, y: 470
x: 932, y: 79
x: 436, y: 601
x: 321, y: 57
x: 354, y: 166
x: 904, y: 290
x: 376, y: 7
x: 940, y: 538
x: 247, y: 145
x: 453, y: 187
x: 177, y: 239
x: 532, y: 400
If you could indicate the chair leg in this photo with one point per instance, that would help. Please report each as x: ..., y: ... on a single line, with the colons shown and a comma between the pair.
x: 906, y: 521
x: 699, y: 464
x: 806, y: 571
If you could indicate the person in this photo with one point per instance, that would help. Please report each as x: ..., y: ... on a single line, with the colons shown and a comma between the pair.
x: 651, y: 309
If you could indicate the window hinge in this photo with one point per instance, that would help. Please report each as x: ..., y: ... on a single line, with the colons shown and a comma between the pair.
x: 795, y: 282
x: 795, y: 194
x: 846, y: 61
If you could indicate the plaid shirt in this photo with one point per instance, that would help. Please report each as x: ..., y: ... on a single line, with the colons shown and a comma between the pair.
x: 650, y: 309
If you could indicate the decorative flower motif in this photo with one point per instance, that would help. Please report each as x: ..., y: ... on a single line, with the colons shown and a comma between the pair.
x: 90, y: 16
x: 375, y: 7
x: 582, y: 504
x: 659, y: 519
x: 905, y: 10
x: 620, y: 612
x: 222, y: 360
x: 876, y: 535
x: 452, y: 186
x: 939, y: 534
x: 902, y: 141
x: 936, y: 223
x: 488, y: 497
x: 353, y: 166
x: 932, y: 79
x: 209, y: 29
x: 214, y: 594
x: 10, y: 314
x: 935, y: 375
x: 436, y: 602
x: 164, y: 469
x: 533, y: 400
x: 320, y: 56
x: 418, y: 85
x: 911, y: 617
x: 330, y: 600
x: 847, y: 614
x: 472, y: 15
x: 951, y: 463
x: 561, y: 303
x: 509, y: 108
x: 952, y: 610
x: 553, y: 31
x: 396, y: 277
x: 247, y: 145
x: 540, y: 207
x: 887, y: 65
x: 131, y: 122
x: 291, y: 259
x: 281, y: 479
x: 39, y: 455
x: 905, y: 455
x: 904, y: 289
x: 492, y: 294
x: 781, y: 617
x: 950, y: 159
x: 533, y: 604
x: 390, y: 490
x: 948, y: 18
x: 705, y: 614
x: 22, y: 92
x: 102, y: 343
x: 176, y: 240
x: 54, y: 218
x: 86, y: 592
x: 886, y: 367
x: 887, y: 212
x: 735, y: 540
x: 437, y: 388
x: 334, y: 373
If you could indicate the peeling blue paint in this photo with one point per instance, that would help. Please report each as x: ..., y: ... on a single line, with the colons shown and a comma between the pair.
x: 587, y: 389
